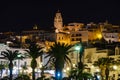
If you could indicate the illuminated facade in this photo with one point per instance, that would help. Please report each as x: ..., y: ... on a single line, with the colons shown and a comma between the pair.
x: 91, y: 55
x: 72, y: 34
x: 94, y: 31
x: 75, y: 26
x: 78, y: 36
x: 18, y: 63
x: 58, y: 22
x: 110, y: 32
x: 63, y: 37
x: 78, y: 32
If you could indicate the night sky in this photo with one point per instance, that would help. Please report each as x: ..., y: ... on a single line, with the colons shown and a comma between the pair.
x: 20, y: 15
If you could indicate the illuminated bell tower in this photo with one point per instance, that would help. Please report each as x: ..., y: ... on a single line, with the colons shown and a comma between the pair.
x: 117, y: 51
x: 58, y: 21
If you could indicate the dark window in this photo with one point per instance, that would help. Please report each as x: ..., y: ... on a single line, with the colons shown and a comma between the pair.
x: 77, y: 34
x: 15, y: 63
x: 78, y: 39
x: 59, y: 38
x: 72, y: 35
x: 80, y: 34
x: 73, y: 39
x: 25, y: 63
x: 72, y: 56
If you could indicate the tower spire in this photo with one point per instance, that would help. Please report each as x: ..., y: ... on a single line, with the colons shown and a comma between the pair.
x: 58, y: 11
x: 58, y: 21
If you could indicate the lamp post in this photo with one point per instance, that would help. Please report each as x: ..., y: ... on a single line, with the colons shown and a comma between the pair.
x: 80, y: 50
x: 19, y: 56
x: 115, y: 68
x: 77, y: 48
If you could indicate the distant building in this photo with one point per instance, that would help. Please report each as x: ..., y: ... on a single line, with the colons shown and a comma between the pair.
x: 71, y: 33
x: 78, y: 36
x: 111, y: 33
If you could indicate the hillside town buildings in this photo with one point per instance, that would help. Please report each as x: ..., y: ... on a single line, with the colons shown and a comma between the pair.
x: 72, y: 33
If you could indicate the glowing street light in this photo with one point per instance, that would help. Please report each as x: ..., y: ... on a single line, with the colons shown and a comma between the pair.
x: 19, y: 56
x: 77, y: 48
x: 73, y: 65
x: 97, y: 70
x: 68, y: 68
x: 115, y: 67
x: 64, y: 70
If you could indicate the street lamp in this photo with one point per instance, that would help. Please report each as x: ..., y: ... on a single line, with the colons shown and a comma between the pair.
x: 80, y: 50
x: 67, y: 68
x: 77, y: 48
x: 19, y: 56
x: 115, y: 67
x: 116, y: 72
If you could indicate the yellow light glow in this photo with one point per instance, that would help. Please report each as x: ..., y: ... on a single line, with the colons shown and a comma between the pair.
x: 99, y: 36
x: 68, y: 68
x: 114, y: 67
x: 64, y: 70
x: 92, y: 66
x: 97, y: 70
x: 73, y: 65
x: 41, y: 65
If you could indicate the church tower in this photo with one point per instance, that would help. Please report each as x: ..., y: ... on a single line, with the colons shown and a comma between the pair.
x: 58, y: 21
x: 117, y: 51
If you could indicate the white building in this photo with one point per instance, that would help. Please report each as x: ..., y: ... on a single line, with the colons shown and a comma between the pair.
x: 18, y: 63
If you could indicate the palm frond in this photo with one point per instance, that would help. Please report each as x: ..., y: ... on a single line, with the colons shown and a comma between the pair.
x: 10, y: 55
x: 59, y: 51
x: 68, y: 60
x: 48, y: 61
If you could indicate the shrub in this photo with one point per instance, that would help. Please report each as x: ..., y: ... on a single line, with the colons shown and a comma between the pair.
x: 23, y: 77
x: 5, y: 78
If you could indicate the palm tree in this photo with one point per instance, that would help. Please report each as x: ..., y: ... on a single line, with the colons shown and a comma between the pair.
x: 22, y: 77
x: 77, y: 73
x: 85, y: 76
x: 10, y: 56
x: 58, y: 53
x: 104, y: 64
x: 34, y: 52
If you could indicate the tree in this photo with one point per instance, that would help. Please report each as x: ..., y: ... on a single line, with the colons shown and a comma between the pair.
x: 58, y: 53
x: 85, y: 76
x: 22, y: 77
x: 75, y: 75
x: 10, y: 56
x: 80, y: 63
x: 80, y: 66
x: 104, y: 65
x: 34, y: 52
